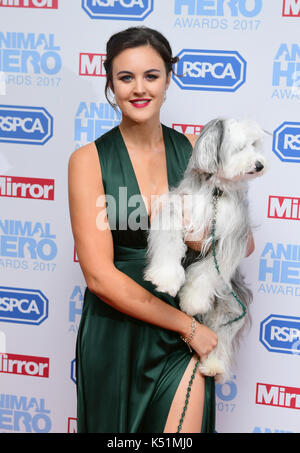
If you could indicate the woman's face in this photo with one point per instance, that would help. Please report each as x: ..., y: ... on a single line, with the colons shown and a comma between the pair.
x: 139, y: 83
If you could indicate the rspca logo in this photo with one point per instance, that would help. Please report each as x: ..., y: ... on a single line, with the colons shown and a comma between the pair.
x: 280, y: 334
x: 210, y: 70
x: 73, y: 371
x: 286, y: 142
x: 26, y: 125
x: 118, y: 9
x: 93, y: 120
x: 291, y: 8
x: 23, y: 306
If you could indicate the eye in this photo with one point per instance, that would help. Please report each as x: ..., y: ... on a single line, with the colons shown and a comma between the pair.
x: 126, y: 78
x: 152, y: 76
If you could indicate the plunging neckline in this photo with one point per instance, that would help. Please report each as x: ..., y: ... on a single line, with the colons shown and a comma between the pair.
x: 165, y: 138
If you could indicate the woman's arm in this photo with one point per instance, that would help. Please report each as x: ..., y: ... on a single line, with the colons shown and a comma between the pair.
x: 94, y: 248
x: 196, y: 245
x: 95, y: 253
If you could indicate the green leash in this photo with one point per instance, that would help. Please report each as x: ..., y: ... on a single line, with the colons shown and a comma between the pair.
x: 216, y: 194
x: 187, y: 396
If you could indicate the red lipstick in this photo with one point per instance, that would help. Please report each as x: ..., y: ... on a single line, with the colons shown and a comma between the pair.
x: 140, y: 103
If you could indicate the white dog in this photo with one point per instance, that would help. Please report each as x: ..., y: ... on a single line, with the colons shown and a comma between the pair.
x: 212, y: 195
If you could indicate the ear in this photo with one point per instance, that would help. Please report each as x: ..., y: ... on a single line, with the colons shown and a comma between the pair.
x: 111, y: 86
x: 205, y: 157
x: 168, y: 80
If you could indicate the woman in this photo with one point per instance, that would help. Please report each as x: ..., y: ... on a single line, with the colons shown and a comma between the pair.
x: 133, y: 368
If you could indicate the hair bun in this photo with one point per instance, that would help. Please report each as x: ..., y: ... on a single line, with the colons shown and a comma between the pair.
x: 174, y: 60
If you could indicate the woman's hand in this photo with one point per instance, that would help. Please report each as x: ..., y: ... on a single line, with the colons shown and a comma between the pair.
x: 204, y: 340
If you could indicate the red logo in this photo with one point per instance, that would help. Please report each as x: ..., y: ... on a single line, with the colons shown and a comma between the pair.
x: 278, y: 395
x: 75, y: 257
x: 20, y: 187
x: 48, y: 4
x: 91, y: 64
x: 284, y: 208
x: 24, y: 364
x: 291, y: 8
x: 72, y: 425
x: 193, y: 129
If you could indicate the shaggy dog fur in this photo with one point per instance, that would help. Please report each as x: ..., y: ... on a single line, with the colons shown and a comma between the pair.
x: 226, y: 155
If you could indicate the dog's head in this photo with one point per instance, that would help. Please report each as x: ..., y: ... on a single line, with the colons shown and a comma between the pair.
x: 229, y: 149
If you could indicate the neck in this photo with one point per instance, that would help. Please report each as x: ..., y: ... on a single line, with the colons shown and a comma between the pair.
x: 141, y: 135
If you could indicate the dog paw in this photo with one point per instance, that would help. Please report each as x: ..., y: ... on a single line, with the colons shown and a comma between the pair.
x: 193, y: 300
x: 212, y: 366
x: 166, y: 279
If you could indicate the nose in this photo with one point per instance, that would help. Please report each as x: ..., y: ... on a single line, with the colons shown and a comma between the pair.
x: 139, y: 87
x: 258, y: 166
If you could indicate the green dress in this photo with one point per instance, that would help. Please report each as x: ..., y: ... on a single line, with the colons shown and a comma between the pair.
x: 127, y: 370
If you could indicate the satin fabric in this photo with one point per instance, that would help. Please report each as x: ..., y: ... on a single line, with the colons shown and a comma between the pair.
x: 128, y: 370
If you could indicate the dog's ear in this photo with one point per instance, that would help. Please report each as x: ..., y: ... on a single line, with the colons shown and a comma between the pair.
x: 240, y: 134
x: 206, y: 154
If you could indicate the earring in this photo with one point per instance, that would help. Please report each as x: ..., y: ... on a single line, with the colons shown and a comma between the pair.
x: 165, y: 96
x: 114, y: 100
x: 112, y: 97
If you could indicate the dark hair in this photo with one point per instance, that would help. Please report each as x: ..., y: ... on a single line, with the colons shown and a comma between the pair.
x: 135, y: 37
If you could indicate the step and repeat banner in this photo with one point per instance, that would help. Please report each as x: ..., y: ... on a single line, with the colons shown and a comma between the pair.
x: 240, y: 58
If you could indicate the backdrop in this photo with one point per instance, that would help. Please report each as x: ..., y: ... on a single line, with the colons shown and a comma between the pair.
x: 241, y: 58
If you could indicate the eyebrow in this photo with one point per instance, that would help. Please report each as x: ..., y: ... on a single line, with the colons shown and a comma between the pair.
x: 129, y: 72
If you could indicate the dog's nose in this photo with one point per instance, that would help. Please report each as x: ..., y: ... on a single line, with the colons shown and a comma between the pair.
x: 258, y: 166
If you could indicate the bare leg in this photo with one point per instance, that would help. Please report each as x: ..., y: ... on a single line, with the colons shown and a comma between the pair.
x: 193, y: 416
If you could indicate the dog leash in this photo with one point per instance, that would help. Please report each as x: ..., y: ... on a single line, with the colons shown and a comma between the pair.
x: 188, y: 395
x: 217, y: 193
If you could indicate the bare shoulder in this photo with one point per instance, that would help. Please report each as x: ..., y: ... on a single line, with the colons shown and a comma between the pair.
x: 192, y: 138
x: 85, y: 155
x: 85, y: 161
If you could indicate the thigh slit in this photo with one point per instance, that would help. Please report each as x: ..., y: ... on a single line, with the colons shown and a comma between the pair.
x: 192, y: 422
